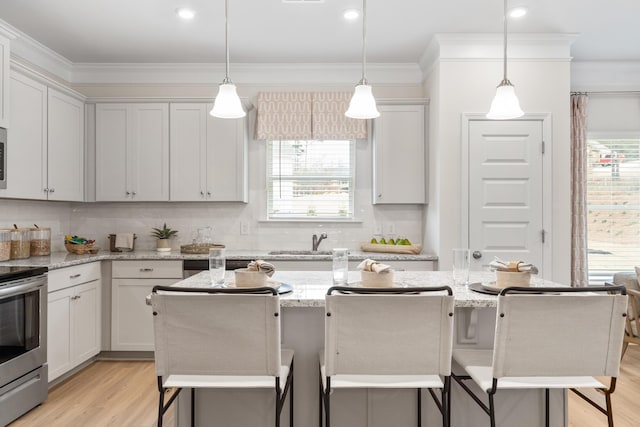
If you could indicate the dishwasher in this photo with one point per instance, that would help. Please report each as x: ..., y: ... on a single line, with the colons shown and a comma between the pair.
x: 191, y: 267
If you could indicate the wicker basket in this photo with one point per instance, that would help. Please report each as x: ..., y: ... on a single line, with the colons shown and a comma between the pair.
x: 80, y: 249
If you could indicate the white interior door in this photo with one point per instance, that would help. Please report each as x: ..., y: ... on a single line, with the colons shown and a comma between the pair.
x: 506, y: 192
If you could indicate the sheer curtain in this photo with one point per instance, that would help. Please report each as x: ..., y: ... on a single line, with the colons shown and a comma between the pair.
x: 579, y: 269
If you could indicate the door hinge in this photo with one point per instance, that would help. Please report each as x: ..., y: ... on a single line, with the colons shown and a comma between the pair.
x: 543, y: 234
x: 542, y: 147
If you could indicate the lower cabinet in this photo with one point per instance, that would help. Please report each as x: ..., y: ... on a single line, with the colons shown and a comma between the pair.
x: 73, y: 317
x: 131, y: 318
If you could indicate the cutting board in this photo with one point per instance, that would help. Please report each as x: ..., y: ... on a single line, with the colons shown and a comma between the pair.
x: 391, y: 249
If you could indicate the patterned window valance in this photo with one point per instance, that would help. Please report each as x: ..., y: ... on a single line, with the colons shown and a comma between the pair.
x: 306, y: 115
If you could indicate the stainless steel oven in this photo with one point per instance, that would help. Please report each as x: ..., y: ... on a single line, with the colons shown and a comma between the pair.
x: 23, y: 340
x: 3, y: 158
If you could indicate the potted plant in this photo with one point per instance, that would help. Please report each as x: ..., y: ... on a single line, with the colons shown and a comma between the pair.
x: 163, y: 235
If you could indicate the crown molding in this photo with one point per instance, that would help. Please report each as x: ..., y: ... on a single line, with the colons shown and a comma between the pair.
x: 489, y: 47
x: 605, y: 75
x: 256, y: 73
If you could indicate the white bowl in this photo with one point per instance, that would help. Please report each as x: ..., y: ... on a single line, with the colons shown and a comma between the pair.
x: 504, y: 279
x: 246, y: 278
x: 371, y: 279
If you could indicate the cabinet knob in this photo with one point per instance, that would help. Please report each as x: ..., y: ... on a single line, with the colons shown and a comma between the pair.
x: 128, y: 193
x: 51, y: 190
x: 46, y: 190
x: 202, y: 193
x: 379, y: 196
x: 133, y: 193
x: 208, y: 193
x: 477, y: 254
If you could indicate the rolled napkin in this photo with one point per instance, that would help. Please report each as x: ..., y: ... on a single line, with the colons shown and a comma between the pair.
x: 500, y: 265
x: 260, y: 265
x: 375, y: 266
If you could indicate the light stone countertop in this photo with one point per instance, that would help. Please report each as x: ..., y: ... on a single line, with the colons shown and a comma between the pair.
x: 63, y: 259
x: 310, y: 287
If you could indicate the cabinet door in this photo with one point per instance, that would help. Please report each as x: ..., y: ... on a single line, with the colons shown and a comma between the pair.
x: 27, y: 140
x: 226, y: 159
x: 399, y: 162
x: 131, y: 318
x: 59, y: 331
x: 4, y: 82
x: 187, y: 142
x: 86, y: 317
x: 112, y: 137
x: 65, y: 147
x: 148, y: 155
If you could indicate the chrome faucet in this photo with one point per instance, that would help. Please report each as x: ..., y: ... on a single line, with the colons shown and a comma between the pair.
x: 316, y: 241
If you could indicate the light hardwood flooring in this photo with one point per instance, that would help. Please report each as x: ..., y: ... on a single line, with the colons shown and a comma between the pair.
x: 124, y: 394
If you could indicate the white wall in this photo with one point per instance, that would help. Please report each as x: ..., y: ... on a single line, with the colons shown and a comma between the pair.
x: 467, y: 85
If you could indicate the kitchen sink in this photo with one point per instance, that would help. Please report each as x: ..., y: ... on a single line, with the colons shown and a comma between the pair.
x: 299, y: 252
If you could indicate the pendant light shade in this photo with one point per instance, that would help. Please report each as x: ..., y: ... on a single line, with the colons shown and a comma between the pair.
x: 227, y: 104
x: 505, y: 104
x: 363, y: 104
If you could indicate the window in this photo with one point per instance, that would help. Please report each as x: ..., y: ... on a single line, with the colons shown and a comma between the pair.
x: 312, y: 180
x: 613, y: 206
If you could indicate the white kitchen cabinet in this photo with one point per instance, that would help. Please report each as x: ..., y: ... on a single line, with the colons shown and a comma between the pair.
x: 4, y: 82
x: 73, y: 317
x: 399, y: 155
x: 132, y: 152
x: 208, y: 156
x: 131, y: 317
x: 65, y: 147
x: 46, y: 143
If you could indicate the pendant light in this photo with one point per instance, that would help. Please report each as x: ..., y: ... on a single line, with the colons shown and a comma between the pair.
x: 363, y: 104
x: 505, y: 105
x: 227, y: 104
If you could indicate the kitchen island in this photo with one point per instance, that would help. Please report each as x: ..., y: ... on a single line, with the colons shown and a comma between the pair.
x: 303, y: 331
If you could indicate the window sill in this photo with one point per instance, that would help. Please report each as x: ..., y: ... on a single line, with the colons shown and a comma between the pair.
x: 309, y: 220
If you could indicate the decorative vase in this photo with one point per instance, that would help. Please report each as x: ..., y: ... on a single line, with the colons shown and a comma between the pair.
x: 162, y: 245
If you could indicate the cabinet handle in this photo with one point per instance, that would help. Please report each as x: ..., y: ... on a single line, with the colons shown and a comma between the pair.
x: 208, y: 193
x: 128, y: 193
x: 75, y: 276
x: 379, y: 195
x: 75, y: 297
x: 133, y: 194
x: 202, y: 193
x: 52, y: 190
x: 46, y: 190
x: 146, y: 269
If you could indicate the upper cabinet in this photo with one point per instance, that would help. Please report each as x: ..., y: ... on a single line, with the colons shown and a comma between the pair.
x: 399, y: 155
x: 208, y: 156
x: 45, y: 144
x: 132, y: 152
x: 4, y: 82
x: 65, y: 147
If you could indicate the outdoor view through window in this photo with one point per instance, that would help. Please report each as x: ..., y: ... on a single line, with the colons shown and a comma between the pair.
x: 312, y: 180
x: 613, y: 206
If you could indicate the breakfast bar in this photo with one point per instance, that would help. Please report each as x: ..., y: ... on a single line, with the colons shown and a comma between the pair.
x: 303, y: 332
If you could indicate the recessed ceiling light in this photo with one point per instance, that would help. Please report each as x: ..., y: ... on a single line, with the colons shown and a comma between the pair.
x: 518, y: 12
x: 185, y: 13
x: 351, y: 14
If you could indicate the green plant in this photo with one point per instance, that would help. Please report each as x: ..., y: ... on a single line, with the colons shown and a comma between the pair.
x: 164, y: 232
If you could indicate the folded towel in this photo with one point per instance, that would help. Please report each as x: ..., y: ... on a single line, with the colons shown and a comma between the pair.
x: 260, y: 265
x: 124, y: 241
x: 498, y: 264
x: 375, y: 266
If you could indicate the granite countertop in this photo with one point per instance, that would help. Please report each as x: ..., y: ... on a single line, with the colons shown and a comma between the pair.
x: 310, y: 287
x: 64, y: 259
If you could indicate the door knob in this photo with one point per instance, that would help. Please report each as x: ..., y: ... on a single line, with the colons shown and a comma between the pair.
x: 477, y: 254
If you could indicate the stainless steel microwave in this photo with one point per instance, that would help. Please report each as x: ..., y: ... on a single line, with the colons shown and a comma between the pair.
x: 3, y: 158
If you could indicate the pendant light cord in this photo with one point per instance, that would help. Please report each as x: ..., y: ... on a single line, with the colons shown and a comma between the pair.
x: 363, y: 81
x: 226, y: 41
x: 505, y: 80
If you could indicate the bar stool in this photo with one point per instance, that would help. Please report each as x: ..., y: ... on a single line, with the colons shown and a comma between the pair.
x: 387, y: 338
x: 219, y: 338
x: 550, y: 338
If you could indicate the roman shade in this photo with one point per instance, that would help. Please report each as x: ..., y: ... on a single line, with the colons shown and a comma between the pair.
x: 306, y: 115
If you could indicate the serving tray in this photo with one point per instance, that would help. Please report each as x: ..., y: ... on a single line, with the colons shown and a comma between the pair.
x: 391, y: 249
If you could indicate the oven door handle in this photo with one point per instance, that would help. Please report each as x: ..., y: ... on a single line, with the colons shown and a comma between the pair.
x: 22, y: 288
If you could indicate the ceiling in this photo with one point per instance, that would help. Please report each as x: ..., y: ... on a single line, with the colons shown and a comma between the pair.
x: 313, y: 31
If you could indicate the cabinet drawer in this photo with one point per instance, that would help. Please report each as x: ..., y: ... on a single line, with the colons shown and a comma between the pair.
x: 74, y: 275
x: 147, y: 269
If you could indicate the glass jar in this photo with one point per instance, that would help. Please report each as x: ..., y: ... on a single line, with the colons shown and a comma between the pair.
x: 20, y: 243
x: 40, y: 241
x: 5, y: 245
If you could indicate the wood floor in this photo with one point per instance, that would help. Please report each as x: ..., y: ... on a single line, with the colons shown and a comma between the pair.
x: 124, y: 394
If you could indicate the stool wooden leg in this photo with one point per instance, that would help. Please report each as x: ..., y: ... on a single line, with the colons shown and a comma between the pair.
x: 419, y: 407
